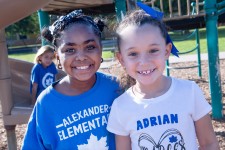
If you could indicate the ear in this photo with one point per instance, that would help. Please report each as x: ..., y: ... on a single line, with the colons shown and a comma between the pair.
x: 168, y: 50
x: 56, y: 55
x: 120, y: 58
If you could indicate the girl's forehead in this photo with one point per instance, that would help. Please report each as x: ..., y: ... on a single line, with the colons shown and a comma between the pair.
x: 78, y: 29
x: 137, y: 28
x: 140, y: 36
x: 145, y: 30
x: 48, y: 53
x: 78, y: 33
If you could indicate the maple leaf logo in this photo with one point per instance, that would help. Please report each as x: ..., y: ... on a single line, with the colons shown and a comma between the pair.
x: 94, y: 144
x: 173, y: 139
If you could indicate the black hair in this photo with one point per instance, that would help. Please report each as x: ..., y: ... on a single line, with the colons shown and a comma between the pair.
x: 52, y: 33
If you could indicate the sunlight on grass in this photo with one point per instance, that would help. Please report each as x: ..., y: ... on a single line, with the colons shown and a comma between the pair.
x: 187, y: 45
x: 30, y: 56
x: 23, y: 56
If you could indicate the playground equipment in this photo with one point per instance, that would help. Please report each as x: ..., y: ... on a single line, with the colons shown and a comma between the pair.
x: 213, y: 10
x: 197, y: 48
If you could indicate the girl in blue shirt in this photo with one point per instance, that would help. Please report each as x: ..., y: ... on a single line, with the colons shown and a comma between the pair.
x: 43, y: 72
x: 72, y: 113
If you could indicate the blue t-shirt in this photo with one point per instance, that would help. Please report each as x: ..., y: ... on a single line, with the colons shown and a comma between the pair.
x: 62, y: 122
x: 42, y: 76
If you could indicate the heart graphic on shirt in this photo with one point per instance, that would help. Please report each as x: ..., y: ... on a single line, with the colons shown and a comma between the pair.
x: 170, y: 139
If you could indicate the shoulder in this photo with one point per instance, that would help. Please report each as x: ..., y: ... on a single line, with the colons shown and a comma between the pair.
x: 52, y: 65
x: 108, y: 82
x: 107, y: 78
x: 185, y: 87
x: 125, y: 98
x: 184, y: 83
x: 36, y: 68
x: 47, y: 94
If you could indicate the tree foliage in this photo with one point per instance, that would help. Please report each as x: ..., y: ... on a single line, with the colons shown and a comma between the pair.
x: 26, y: 26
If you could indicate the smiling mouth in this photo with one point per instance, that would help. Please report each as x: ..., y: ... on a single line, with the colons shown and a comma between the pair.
x: 146, y: 72
x: 82, y: 67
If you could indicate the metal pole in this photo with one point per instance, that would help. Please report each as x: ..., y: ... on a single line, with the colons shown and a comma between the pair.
x: 198, y: 53
x: 167, y: 68
x: 44, y: 21
x: 213, y: 58
x: 120, y: 7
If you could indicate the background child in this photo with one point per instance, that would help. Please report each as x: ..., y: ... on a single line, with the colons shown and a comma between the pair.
x: 157, y: 112
x: 43, y: 72
x: 73, y: 112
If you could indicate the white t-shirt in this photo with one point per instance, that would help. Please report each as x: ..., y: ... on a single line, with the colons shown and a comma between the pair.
x: 165, y: 122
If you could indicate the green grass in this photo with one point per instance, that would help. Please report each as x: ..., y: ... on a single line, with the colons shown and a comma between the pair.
x: 189, y: 44
x: 23, y: 56
x: 30, y: 56
x: 182, y: 46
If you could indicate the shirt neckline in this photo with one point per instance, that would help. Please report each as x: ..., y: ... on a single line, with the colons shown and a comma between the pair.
x: 152, y: 100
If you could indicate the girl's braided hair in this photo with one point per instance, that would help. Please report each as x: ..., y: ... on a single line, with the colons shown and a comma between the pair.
x: 52, y: 33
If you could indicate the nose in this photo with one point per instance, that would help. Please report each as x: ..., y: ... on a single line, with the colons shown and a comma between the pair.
x: 49, y: 60
x: 80, y: 56
x: 144, y: 60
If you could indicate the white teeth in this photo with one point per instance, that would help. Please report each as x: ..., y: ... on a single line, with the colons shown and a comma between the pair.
x: 82, y: 67
x: 146, y: 71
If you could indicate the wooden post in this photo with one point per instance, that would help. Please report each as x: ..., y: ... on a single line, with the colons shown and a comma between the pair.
x: 179, y: 7
x: 6, y: 90
x: 170, y: 9
x: 188, y: 8
x: 161, y: 6
x: 197, y: 7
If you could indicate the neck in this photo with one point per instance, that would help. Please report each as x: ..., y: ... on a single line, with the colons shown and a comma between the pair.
x: 152, y: 91
x: 71, y: 86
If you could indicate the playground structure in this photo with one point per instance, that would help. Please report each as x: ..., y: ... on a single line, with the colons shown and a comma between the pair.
x: 14, y: 74
x: 196, y: 48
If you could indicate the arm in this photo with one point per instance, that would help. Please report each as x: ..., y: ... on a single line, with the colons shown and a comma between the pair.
x: 205, y: 134
x: 34, y: 93
x: 123, y: 142
x: 32, y: 139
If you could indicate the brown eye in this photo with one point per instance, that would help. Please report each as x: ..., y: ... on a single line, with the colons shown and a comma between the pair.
x: 91, y: 47
x: 132, y: 54
x: 153, y: 51
x: 70, y: 50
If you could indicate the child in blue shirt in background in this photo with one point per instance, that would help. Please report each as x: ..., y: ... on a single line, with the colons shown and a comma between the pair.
x: 43, y: 72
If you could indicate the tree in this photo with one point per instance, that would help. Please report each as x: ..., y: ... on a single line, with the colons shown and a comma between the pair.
x: 26, y: 26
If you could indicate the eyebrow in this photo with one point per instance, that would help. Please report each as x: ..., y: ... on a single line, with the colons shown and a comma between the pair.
x: 85, y: 42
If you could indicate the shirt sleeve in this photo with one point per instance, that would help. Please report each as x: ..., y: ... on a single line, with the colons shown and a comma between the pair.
x: 35, y: 74
x: 54, y: 69
x: 115, y: 125
x: 32, y: 139
x: 34, y: 78
x: 201, y: 106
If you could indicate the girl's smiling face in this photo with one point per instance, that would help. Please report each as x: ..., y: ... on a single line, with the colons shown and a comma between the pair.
x: 143, y: 52
x: 79, y: 51
x: 46, y: 59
